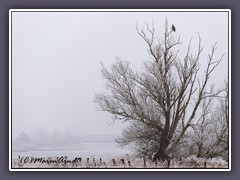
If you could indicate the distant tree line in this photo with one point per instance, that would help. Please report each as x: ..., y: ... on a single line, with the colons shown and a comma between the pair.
x: 42, y: 138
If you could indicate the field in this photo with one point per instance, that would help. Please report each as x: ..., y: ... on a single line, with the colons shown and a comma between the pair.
x: 104, y: 156
x: 78, y: 162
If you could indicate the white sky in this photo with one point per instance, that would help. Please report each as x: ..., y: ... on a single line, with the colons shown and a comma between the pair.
x: 56, y: 61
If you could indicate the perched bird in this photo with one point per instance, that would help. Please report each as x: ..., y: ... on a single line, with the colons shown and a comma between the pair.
x: 173, y: 28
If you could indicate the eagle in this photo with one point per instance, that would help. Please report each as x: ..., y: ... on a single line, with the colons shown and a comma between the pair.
x: 173, y: 28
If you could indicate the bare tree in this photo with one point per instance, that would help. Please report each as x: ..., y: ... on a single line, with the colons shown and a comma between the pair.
x: 161, y: 102
x: 210, y: 134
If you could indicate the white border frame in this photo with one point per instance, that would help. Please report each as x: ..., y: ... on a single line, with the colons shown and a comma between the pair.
x: 112, y: 10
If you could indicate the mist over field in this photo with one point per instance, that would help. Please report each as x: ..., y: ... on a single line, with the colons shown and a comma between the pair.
x: 42, y: 140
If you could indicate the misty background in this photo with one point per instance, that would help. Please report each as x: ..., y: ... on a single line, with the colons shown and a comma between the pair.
x: 56, y: 63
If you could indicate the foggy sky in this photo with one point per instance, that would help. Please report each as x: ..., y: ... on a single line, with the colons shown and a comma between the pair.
x: 56, y: 61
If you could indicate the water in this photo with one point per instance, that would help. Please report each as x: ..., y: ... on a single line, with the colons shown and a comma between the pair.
x: 88, y: 150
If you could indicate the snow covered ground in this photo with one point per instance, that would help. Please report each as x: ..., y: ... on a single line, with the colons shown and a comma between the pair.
x: 116, y: 162
x: 103, y: 155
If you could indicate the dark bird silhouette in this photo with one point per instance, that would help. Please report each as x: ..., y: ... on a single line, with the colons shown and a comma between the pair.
x: 173, y: 28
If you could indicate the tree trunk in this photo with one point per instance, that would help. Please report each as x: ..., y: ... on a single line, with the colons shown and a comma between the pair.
x: 161, y: 154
